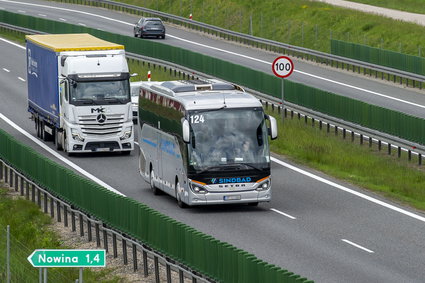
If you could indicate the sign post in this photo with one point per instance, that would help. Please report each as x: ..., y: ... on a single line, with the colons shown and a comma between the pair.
x: 282, y: 67
x: 67, y: 258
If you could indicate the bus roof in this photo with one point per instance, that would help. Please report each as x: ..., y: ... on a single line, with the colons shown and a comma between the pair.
x: 204, y: 94
x: 72, y: 42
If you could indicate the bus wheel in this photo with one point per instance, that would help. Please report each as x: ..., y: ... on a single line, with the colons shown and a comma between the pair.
x: 153, y: 187
x: 180, y: 203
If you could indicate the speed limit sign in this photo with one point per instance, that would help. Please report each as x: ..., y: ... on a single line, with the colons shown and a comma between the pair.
x: 283, y: 66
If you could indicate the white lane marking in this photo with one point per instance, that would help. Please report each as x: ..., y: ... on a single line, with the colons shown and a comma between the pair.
x: 228, y: 52
x: 345, y: 189
x: 282, y: 213
x: 21, y: 79
x: 22, y: 11
x: 58, y: 156
x: 357, y: 246
x: 362, y: 89
x: 42, y: 15
x: 12, y: 43
x: 6, y: 70
x: 81, y: 24
x: 62, y: 19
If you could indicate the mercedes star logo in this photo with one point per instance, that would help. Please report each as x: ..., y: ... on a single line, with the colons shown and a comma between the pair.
x: 101, y: 118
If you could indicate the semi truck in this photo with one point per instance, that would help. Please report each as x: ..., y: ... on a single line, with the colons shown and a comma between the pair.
x: 79, y: 93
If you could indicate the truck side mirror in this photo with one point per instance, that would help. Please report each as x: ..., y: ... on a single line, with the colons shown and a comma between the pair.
x: 186, y: 131
x: 273, y: 127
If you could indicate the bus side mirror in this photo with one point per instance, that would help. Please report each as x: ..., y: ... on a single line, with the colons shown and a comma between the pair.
x: 273, y: 127
x: 186, y: 131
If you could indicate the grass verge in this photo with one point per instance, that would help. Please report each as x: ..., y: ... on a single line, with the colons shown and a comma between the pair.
x: 30, y: 229
x: 303, y: 23
x: 364, y: 166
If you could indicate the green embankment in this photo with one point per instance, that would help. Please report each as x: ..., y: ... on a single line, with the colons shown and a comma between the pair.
x: 303, y: 23
x: 29, y: 230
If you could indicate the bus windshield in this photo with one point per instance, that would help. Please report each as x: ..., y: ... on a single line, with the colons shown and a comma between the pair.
x: 100, y: 92
x: 236, y: 136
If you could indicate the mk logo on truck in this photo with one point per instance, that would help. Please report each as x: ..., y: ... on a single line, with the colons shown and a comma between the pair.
x: 98, y: 110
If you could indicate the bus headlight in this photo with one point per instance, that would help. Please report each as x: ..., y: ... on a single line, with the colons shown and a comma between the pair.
x: 127, y: 133
x: 76, y: 136
x: 264, y: 185
x: 197, y: 189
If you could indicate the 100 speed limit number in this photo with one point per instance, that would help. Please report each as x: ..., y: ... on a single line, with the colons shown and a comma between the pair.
x: 283, y: 66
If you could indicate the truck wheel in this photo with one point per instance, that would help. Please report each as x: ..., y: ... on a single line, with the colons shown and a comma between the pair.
x: 56, y: 139
x: 37, y: 127
x: 65, y: 144
x: 153, y: 187
x: 180, y: 203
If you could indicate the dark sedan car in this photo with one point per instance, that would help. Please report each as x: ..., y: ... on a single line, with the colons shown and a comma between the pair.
x: 149, y: 27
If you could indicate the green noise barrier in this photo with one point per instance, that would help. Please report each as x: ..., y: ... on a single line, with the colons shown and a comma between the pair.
x: 218, y: 260
x: 377, y: 56
x: 374, y: 117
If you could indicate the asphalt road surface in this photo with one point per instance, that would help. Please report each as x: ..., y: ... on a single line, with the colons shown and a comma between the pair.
x: 315, y: 226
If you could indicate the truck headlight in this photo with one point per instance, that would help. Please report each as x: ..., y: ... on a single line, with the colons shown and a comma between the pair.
x: 76, y: 136
x: 127, y: 133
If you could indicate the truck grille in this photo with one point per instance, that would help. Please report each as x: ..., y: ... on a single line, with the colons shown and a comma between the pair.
x: 101, y: 124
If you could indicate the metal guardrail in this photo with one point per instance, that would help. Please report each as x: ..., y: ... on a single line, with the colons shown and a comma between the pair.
x: 111, y: 239
x: 271, y: 45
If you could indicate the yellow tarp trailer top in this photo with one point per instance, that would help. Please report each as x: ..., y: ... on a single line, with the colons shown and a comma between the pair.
x: 72, y: 42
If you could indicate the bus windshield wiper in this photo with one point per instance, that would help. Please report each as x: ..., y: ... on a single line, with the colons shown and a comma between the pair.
x: 244, y: 164
x: 212, y: 168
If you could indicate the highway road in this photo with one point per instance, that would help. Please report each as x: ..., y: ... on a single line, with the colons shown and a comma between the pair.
x: 377, y: 92
x: 321, y: 228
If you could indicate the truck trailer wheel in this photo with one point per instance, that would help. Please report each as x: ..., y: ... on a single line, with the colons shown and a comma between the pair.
x: 37, y: 127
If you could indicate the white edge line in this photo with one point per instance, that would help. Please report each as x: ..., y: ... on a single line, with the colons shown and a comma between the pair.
x: 282, y: 213
x: 222, y: 50
x: 13, y: 43
x: 357, y: 246
x: 58, y: 156
x: 345, y: 189
x: 21, y: 79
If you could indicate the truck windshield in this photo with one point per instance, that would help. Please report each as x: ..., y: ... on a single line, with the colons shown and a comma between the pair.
x: 228, y: 138
x: 100, y: 92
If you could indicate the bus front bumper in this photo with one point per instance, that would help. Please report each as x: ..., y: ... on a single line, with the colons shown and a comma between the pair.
x: 253, y: 196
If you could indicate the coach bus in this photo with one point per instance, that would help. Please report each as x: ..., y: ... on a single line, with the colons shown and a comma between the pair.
x: 204, y: 142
